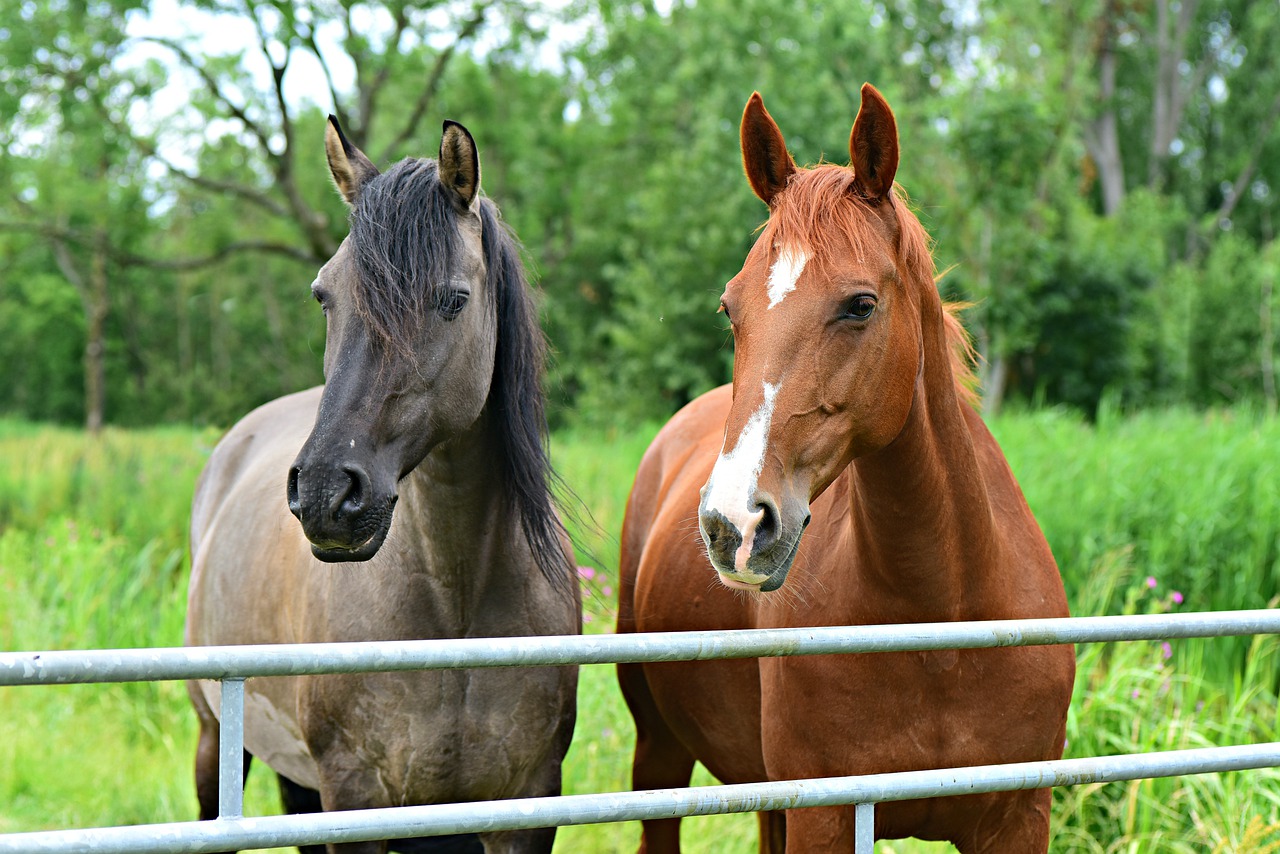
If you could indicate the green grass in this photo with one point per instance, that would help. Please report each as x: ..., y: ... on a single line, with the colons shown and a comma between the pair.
x: 93, y: 555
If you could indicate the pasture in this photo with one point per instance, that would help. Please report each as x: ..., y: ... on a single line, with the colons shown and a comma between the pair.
x: 1158, y: 511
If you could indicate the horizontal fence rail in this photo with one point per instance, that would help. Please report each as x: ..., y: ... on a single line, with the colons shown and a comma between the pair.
x: 241, y: 662
x: 233, y: 664
x: 399, y: 822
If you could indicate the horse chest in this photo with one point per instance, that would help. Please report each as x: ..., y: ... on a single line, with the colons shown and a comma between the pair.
x: 408, y: 737
x: 895, y: 711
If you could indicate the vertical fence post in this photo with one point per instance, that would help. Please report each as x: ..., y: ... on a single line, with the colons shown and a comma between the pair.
x: 864, y: 829
x: 231, y: 750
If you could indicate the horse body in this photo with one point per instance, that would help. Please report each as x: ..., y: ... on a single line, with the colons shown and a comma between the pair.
x: 845, y: 422
x: 428, y: 432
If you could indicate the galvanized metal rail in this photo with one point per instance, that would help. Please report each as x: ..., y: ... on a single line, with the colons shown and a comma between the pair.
x: 241, y: 662
x: 233, y: 664
x: 358, y: 825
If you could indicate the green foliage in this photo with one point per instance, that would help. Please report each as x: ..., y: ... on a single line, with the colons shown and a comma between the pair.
x: 1101, y: 323
x: 41, y: 330
x: 1223, y: 355
x: 1191, y: 498
x: 616, y: 160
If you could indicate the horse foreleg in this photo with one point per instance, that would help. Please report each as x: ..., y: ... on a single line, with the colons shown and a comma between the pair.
x: 1017, y: 823
x: 299, y: 800
x: 537, y: 841
x: 358, y: 848
x: 773, y: 831
x: 661, y: 761
x: 819, y: 829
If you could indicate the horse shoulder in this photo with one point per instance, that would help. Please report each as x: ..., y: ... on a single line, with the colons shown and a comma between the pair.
x: 239, y: 503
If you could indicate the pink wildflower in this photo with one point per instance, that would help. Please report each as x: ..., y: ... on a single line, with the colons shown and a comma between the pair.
x: 1176, y: 597
x: 586, y: 572
x: 1166, y: 650
x: 1151, y: 582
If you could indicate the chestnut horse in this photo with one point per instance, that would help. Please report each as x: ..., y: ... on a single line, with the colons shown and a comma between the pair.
x: 849, y: 421
x: 432, y: 409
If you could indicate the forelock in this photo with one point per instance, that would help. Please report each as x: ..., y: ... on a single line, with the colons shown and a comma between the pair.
x: 404, y: 237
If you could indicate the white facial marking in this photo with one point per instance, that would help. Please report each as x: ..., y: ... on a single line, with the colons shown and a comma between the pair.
x: 733, y: 480
x: 785, y: 273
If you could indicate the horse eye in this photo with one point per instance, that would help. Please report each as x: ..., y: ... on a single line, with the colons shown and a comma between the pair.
x: 860, y: 307
x: 452, y: 303
x: 724, y: 309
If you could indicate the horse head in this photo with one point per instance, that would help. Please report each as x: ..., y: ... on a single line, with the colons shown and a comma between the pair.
x: 410, y: 341
x: 826, y: 324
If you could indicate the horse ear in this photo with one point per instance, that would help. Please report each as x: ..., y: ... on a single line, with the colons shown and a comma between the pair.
x: 764, y: 151
x: 460, y: 163
x: 873, y: 145
x: 348, y: 165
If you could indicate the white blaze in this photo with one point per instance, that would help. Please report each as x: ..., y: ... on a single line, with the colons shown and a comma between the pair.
x: 785, y: 273
x: 733, y: 480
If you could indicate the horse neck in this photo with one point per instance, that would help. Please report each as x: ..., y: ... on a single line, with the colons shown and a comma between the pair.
x: 459, y: 516
x: 920, y: 511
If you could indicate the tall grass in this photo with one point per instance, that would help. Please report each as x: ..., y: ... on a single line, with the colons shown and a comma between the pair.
x: 1161, y: 511
x: 1190, y: 501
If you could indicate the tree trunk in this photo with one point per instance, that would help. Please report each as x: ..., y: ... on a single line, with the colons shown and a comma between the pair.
x: 1169, y: 90
x: 93, y: 299
x: 95, y: 344
x: 994, y: 376
x: 992, y: 365
x: 1101, y: 135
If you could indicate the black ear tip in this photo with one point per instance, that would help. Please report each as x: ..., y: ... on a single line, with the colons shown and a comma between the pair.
x: 342, y: 137
x: 450, y: 124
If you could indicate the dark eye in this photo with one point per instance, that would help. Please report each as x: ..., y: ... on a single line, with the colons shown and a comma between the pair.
x: 860, y: 307
x: 451, y: 303
x: 724, y: 309
x: 321, y: 298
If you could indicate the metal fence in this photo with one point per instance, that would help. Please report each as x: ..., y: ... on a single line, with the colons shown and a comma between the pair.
x: 233, y: 664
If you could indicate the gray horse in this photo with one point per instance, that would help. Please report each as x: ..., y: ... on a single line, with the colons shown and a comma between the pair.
x: 432, y: 409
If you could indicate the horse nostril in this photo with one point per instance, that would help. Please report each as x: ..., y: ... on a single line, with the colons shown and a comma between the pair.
x: 767, y: 527
x: 295, y: 504
x: 353, y: 500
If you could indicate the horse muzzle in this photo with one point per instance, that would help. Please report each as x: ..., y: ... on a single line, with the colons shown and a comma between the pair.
x: 755, y: 550
x: 341, y: 512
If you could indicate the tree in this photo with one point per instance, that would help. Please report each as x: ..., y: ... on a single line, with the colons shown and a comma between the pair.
x: 66, y: 175
x: 80, y: 170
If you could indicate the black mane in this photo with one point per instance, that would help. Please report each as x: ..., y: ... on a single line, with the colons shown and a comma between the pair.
x: 403, y: 238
